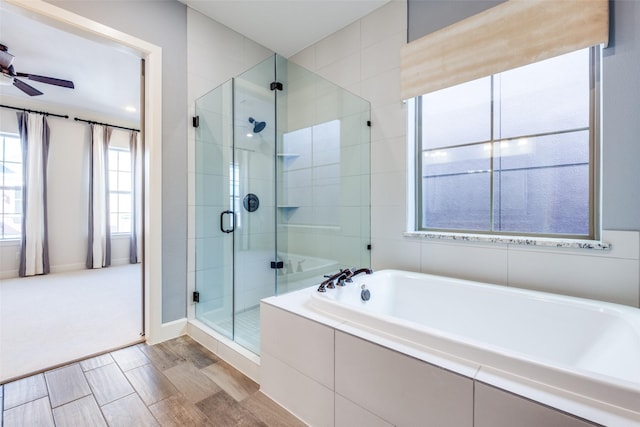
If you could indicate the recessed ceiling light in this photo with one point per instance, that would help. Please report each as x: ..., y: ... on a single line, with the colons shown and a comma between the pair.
x: 130, y: 109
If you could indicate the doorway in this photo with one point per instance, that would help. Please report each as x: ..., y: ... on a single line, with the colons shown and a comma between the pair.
x: 149, y: 323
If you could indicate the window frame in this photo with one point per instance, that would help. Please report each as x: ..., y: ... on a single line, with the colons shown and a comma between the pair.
x: 4, y: 135
x: 414, y: 166
x: 119, y: 192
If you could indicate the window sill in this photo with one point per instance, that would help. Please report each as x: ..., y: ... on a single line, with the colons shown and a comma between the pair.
x: 120, y: 235
x: 9, y: 242
x: 513, y: 240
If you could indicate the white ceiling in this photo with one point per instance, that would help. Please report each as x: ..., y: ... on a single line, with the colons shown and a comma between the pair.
x: 285, y: 26
x: 106, y: 77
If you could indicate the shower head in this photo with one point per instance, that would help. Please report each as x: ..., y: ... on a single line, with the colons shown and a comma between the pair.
x: 257, y: 126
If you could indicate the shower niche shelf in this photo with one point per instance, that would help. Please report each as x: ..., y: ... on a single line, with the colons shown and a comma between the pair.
x: 285, y: 212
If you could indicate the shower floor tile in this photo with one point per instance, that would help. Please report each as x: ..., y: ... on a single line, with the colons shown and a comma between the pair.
x: 247, y: 332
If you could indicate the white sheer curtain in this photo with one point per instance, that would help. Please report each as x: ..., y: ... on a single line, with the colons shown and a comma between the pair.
x: 99, y: 242
x: 34, y: 248
x: 135, y: 147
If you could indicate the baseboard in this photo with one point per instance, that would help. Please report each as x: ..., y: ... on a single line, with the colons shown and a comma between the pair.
x: 10, y: 274
x: 68, y: 267
x: 13, y: 274
x: 168, y: 331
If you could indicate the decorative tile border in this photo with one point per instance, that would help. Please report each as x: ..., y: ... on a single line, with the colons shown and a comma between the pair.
x: 512, y: 240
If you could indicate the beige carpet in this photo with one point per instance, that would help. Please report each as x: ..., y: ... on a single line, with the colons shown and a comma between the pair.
x: 49, y: 320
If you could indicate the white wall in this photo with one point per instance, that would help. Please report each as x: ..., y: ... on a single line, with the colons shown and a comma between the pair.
x: 365, y: 59
x: 67, y: 180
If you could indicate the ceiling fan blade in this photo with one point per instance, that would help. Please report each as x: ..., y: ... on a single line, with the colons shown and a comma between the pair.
x: 29, y: 90
x: 48, y: 80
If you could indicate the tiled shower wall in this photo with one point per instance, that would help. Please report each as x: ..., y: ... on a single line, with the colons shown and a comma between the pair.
x: 364, y: 57
x: 311, y: 175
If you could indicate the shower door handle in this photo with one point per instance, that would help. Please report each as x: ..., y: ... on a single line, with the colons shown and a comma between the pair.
x: 233, y: 221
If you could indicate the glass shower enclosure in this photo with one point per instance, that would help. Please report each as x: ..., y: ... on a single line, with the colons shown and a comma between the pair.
x: 282, y: 190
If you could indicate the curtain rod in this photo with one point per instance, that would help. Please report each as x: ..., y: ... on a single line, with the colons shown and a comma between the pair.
x: 34, y: 111
x: 105, y: 124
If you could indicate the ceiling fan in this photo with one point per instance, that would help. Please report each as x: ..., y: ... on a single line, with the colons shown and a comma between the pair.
x: 10, y: 76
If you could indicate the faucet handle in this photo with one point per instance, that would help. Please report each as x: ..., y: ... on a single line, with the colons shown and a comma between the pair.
x: 345, y: 277
x: 350, y: 274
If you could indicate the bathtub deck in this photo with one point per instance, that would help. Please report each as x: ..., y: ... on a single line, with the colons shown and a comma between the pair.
x: 584, y: 388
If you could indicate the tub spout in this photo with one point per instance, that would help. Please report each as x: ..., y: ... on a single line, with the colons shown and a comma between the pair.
x: 348, y: 274
x: 353, y: 273
x: 362, y: 270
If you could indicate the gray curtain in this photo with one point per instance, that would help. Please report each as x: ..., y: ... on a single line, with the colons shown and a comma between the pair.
x: 99, y: 239
x: 135, y: 148
x: 34, y: 244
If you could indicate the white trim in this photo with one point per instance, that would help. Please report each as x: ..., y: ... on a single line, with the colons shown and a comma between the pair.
x: 155, y: 331
x: 9, y: 274
x: 231, y: 352
x: 411, y: 213
x: 170, y: 330
x: 68, y: 267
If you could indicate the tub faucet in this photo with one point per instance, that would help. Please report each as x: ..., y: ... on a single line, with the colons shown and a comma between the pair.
x: 328, y: 284
x: 350, y: 274
x: 362, y: 270
x: 344, y: 277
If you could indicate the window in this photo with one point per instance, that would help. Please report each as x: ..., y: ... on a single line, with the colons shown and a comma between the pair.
x: 120, y: 201
x: 512, y: 153
x: 10, y: 187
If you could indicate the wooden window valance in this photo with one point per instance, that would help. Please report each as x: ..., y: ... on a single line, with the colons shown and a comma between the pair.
x: 510, y: 35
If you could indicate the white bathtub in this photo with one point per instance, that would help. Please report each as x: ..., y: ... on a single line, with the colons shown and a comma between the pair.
x: 577, y: 347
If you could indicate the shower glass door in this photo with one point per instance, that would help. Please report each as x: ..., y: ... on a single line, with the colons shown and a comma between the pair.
x: 215, y: 188
x: 281, y: 191
x: 235, y: 204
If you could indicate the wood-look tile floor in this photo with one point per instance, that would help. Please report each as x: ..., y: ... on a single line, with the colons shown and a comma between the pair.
x: 175, y: 383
